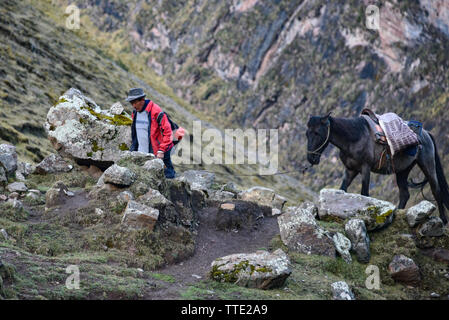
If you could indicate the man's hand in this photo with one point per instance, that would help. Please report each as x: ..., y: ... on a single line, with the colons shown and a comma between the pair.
x: 160, y: 155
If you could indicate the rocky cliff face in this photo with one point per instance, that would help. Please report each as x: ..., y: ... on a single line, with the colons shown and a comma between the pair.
x: 272, y: 64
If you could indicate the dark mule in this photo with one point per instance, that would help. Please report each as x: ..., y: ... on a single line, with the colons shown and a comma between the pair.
x: 360, y: 154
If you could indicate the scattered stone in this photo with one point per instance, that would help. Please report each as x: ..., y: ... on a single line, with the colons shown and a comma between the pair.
x: 3, y: 177
x: 228, y: 206
x: 138, y: 216
x: 8, y: 158
x: 25, y: 169
x: 14, y: 195
x: 262, y: 270
x: 434, y: 295
x: 196, y: 276
x: 69, y: 193
x: 117, y: 109
x: 341, y: 291
x: 16, y: 204
x: 238, y: 214
x: 337, y: 203
x: 356, y: 231
x: 125, y: 196
x: 222, y: 195
x: 343, y: 245
x: 17, y: 187
x: 434, y: 227
x: 99, y: 212
x: 3, y: 197
x: 404, y: 270
x: 263, y: 196
x: 199, y: 179
x: 300, y: 232
x: 56, y: 195
x: 439, y: 254
x: 120, y: 176
x: 418, y: 213
x: 230, y: 187
x: 4, y: 234
x: 54, y: 163
x: 275, y: 212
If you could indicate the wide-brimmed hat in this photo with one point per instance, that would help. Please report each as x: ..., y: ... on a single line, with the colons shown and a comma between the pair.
x: 135, y: 93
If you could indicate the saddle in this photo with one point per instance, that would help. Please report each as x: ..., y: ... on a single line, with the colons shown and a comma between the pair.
x: 386, y: 157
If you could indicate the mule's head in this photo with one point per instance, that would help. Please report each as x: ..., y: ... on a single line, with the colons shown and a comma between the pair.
x: 317, y: 137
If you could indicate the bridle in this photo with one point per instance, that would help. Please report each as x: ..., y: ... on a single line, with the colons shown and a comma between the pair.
x: 327, y: 139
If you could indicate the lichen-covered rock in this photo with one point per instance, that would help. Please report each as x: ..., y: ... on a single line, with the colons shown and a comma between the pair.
x: 54, y: 163
x: 155, y: 164
x: 262, y: 270
x: 356, y: 231
x: 433, y: 227
x: 341, y: 291
x: 17, y: 187
x: 300, y: 232
x: 125, y: 196
x: 8, y: 158
x: 79, y: 128
x: 25, y: 169
x: 138, y: 216
x: 119, y: 176
x: 230, y: 187
x: 418, y: 213
x: 337, y: 203
x: 199, y: 179
x: 404, y: 270
x: 343, y: 245
x: 263, y: 196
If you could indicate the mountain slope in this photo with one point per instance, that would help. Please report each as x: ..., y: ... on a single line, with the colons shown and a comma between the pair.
x: 265, y: 64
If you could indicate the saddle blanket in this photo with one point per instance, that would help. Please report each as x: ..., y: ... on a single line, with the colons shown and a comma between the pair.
x: 398, y: 133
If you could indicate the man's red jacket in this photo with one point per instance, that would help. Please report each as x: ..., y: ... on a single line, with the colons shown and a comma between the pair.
x: 161, y: 137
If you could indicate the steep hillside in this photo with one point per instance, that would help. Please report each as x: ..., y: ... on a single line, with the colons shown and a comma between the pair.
x: 272, y: 64
x: 40, y: 59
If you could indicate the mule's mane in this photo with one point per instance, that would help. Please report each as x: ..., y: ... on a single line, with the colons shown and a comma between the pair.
x: 352, y: 129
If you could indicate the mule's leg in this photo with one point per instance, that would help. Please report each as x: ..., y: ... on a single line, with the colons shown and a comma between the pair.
x: 347, y: 179
x: 429, y: 171
x: 401, y: 179
x: 366, y: 172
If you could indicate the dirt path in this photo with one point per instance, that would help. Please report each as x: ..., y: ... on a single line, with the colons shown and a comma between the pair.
x: 210, y: 245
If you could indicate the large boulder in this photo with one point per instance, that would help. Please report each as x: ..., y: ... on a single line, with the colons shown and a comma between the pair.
x: 262, y: 270
x: 79, y: 128
x: 300, y: 232
x: 341, y: 205
x: 356, y: 231
x: 138, y: 216
x: 54, y: 163
x: 8, y: 159
x: 418, y: 213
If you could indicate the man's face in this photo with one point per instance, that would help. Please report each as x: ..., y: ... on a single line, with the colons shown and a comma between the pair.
x: 138, y: 104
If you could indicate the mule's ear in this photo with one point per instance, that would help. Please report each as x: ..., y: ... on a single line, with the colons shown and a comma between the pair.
x: 325, y: 119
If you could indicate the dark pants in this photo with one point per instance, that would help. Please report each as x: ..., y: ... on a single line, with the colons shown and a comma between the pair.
x: 169, y: 169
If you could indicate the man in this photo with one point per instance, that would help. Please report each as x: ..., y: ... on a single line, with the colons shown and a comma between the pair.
x: 147, y: 135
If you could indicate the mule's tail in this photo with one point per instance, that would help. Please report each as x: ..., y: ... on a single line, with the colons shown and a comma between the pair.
x: 441, y: 178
